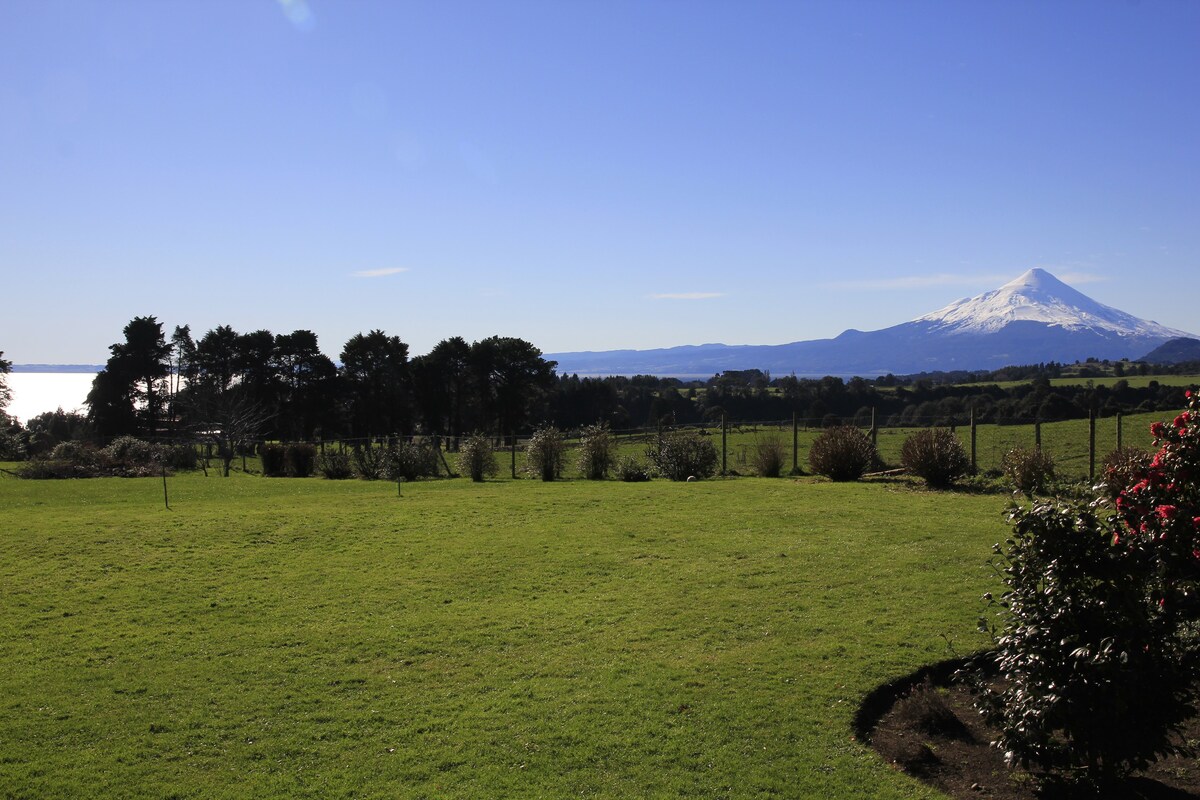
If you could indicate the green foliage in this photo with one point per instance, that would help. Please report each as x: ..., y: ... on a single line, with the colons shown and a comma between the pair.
x: 52, y: 427
x: 769, y: 457
x: 632, y: 470
x: 12, y: 439
x: 5, y: 392
x: 335, y: 465
x: 545, y: 453
x: 299, y: 459
x: 274, y: 459
x: 936, y: 456
x: 410, y: 460
x: 132, y: 451
x: 125, y: 457
x: 1097, y: 646
x: 682, y: 454
x: 181, y: 456
x: 842, y: 453
x: 1029, y: 469
x: 475, y: 457
x: 597, y: 451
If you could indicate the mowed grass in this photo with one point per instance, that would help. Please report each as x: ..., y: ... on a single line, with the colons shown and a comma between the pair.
x: 311, y: 638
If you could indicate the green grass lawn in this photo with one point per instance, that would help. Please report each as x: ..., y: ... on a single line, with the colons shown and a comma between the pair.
x: 291, y: 638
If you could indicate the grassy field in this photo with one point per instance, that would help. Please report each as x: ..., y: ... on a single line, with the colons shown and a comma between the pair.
x: 311, y: 638
x: 1066, y: 441
x: 1135, y: 381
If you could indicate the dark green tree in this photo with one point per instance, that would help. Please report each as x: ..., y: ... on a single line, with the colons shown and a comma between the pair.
x: 5, y: 392
x: 376, y: 384
x: 308, y: 382
x: 128, y: 395
x: 514, y: 379
x: 444, y: 388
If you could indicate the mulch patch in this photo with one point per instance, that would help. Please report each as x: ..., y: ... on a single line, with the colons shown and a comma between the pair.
x: 926, y: 725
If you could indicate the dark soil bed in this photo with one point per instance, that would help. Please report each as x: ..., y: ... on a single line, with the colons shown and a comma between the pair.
x: 926, y: 725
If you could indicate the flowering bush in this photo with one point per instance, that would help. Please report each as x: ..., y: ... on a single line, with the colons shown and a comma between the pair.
x: 475, y: 457
x: 412, y: 460
x: 680, y: 455
x: 1097, y: 646
x: 1124, y: 467
x: 596, y: 451
x: 544, y: 454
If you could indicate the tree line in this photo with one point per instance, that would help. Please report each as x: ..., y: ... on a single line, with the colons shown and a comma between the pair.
x: 283, y: 387
x: 232, y: 387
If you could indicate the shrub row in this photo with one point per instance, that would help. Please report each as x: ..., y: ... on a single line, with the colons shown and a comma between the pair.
x: 125, y: 457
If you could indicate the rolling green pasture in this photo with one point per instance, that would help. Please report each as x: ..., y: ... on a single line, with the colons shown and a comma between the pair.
x: 1135, y: 381
x: 312, y: 638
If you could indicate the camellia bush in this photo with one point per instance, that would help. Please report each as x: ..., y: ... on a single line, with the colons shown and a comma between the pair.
x: 1096, y: 641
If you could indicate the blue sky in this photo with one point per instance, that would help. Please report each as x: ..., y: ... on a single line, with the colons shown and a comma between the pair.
x: 585, y: 175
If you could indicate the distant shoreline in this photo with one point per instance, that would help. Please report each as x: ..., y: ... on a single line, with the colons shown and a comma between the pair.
x: 57, y: 367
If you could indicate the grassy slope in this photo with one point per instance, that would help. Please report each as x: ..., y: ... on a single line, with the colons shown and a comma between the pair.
x: 313, y: 638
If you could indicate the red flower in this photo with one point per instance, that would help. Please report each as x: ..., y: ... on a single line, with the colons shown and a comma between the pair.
x: 1167, y: 512
x: 1157, y: 430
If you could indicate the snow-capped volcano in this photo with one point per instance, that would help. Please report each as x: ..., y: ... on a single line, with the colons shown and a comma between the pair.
x: 1035, y: 318
x: 1038, y: 296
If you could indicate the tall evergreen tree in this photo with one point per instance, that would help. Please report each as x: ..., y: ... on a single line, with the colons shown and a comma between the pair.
x: 127, y: 396
x: 376, y: 383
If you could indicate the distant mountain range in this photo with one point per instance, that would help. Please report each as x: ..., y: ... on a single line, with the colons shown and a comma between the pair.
x: 1032, y: 319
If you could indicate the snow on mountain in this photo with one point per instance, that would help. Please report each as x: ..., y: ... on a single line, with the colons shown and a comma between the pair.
x: 1035, y: 318
x: 1038, y: 296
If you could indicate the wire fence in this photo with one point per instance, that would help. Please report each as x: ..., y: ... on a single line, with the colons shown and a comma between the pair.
x: 1077, y: 446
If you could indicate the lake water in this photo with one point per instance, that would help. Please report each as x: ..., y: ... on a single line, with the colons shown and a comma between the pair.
x: 35, y: 392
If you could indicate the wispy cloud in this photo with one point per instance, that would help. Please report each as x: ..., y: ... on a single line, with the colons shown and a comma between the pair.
x: 922, y: 281
x: 379, y: 273
x: 687, y: 296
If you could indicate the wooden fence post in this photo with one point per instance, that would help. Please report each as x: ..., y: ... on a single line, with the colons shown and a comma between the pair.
x: 1037, y: 434
x: 795, y: 444
x: 724, y: 430
x: 874, y: 429
x: 1091, y: 444
x: 974, y: 463
x: 1118, y: 430
x: 514, y: 457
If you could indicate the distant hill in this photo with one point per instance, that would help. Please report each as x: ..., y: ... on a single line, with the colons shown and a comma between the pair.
x: 1032, y: 319
x: 1176, y: 351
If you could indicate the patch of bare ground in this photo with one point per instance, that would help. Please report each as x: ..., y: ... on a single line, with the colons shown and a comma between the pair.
x: 926, y: 725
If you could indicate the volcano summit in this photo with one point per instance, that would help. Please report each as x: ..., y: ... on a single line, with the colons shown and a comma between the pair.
x: 1032, y: 319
